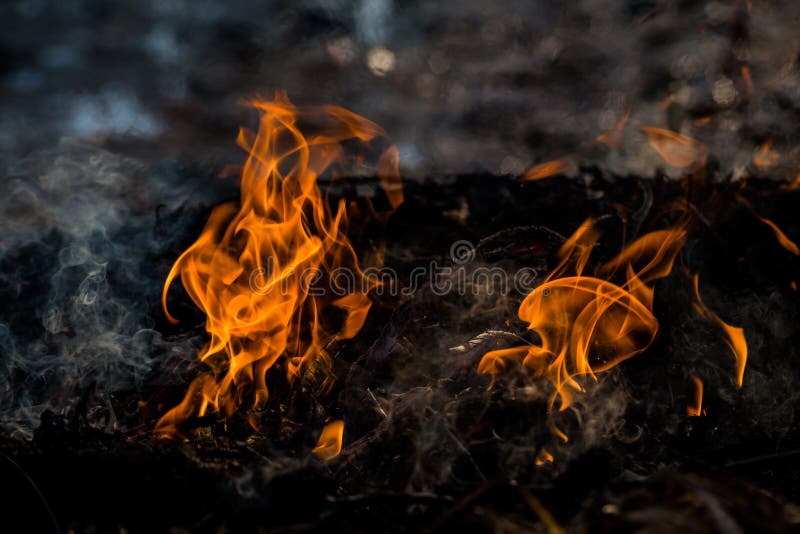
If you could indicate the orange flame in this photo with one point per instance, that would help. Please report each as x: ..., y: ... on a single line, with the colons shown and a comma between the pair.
x: 782, y: 238
x: 784, y: 241
x: 544, y: 457
x: 589, y: 324
x: 702, y: 121
x: 612, y: 137
x: 696, y: 408
x: 792, y: 185
x: 329, y: 445
x: 734, y: 336
x: 547, y: 169
x: 674, y: 148
x: 765, y: 156
x: 250, y: 269
x: 747, y: 78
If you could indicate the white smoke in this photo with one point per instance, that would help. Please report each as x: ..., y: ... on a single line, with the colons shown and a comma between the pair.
x: 82, y: 267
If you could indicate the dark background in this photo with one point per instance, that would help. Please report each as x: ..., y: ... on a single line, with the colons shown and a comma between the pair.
x: 462, y: 86
x: 116, y: 116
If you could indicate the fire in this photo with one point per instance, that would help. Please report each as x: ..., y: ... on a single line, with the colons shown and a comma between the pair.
x: 251, y: 268
x: 747, y: 78
x: 792, y: 184
x: 765, y: 156
x: 734, y: 336
x: 676, y: 149
x: 782, y: 238
x: 696, y: 408
x: 547, y: 169
x: 702, y: 121
x: 329, y: 444
x: 589, y: 323
x: 612, y: 137
x: 544, y: 457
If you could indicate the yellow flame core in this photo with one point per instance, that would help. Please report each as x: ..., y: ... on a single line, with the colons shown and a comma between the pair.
x: 250, y: 269
x: 589, y: 324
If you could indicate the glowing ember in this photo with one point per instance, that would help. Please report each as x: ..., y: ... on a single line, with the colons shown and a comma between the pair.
x: 329, y: 445
x: 695, y: 409
x: 589, y: 324
x: 251, y: 267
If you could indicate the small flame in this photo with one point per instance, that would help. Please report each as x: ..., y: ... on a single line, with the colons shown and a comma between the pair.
x: 612, y: 137
x: 695, y: 409
x: 329, y: 445
x: 547, y: 169
x: 250, y: 269
x: 784, y: 241
x: 674, y: 148
x: 702, y: 121
x: 734, y: 336
x: 667, y: 101
x: 747, y: 78
x: 765, y: 156
x: 544, y: 457
x: 589, y: 324
x: 782, y: 238
x: 791, y: 186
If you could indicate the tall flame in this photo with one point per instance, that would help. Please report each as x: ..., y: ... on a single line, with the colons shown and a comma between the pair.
x: 589, y: 324
x: 251, y: 268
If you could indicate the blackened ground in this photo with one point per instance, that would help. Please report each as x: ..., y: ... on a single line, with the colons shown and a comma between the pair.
x: 427, y: 446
